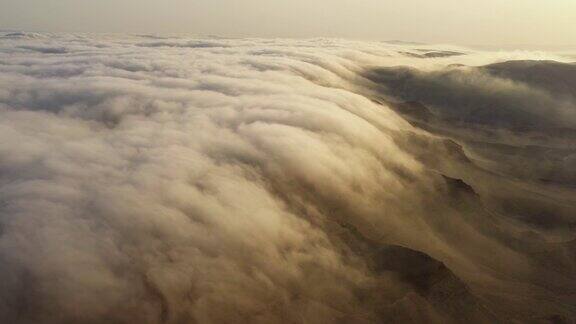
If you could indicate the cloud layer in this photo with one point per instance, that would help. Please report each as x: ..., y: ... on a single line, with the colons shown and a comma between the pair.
x: 177, y: 180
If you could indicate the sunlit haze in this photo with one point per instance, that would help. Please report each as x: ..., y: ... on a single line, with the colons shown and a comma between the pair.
x: 466, y: 22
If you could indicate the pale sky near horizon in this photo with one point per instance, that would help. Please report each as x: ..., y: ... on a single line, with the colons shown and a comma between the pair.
x: 466, y: 22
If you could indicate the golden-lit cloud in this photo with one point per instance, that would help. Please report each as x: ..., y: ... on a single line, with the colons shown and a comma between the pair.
x: 148, y: 179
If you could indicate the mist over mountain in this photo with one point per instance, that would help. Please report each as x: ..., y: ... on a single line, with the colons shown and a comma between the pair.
x: 152, y: 179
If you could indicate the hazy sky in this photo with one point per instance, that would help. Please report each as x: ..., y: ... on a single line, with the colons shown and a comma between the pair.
x: 496, y: 22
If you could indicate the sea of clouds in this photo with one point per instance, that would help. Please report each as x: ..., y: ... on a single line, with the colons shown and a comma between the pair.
x: 151, y: 179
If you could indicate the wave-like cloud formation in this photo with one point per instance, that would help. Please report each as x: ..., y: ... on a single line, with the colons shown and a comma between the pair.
x: 176, y: 180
